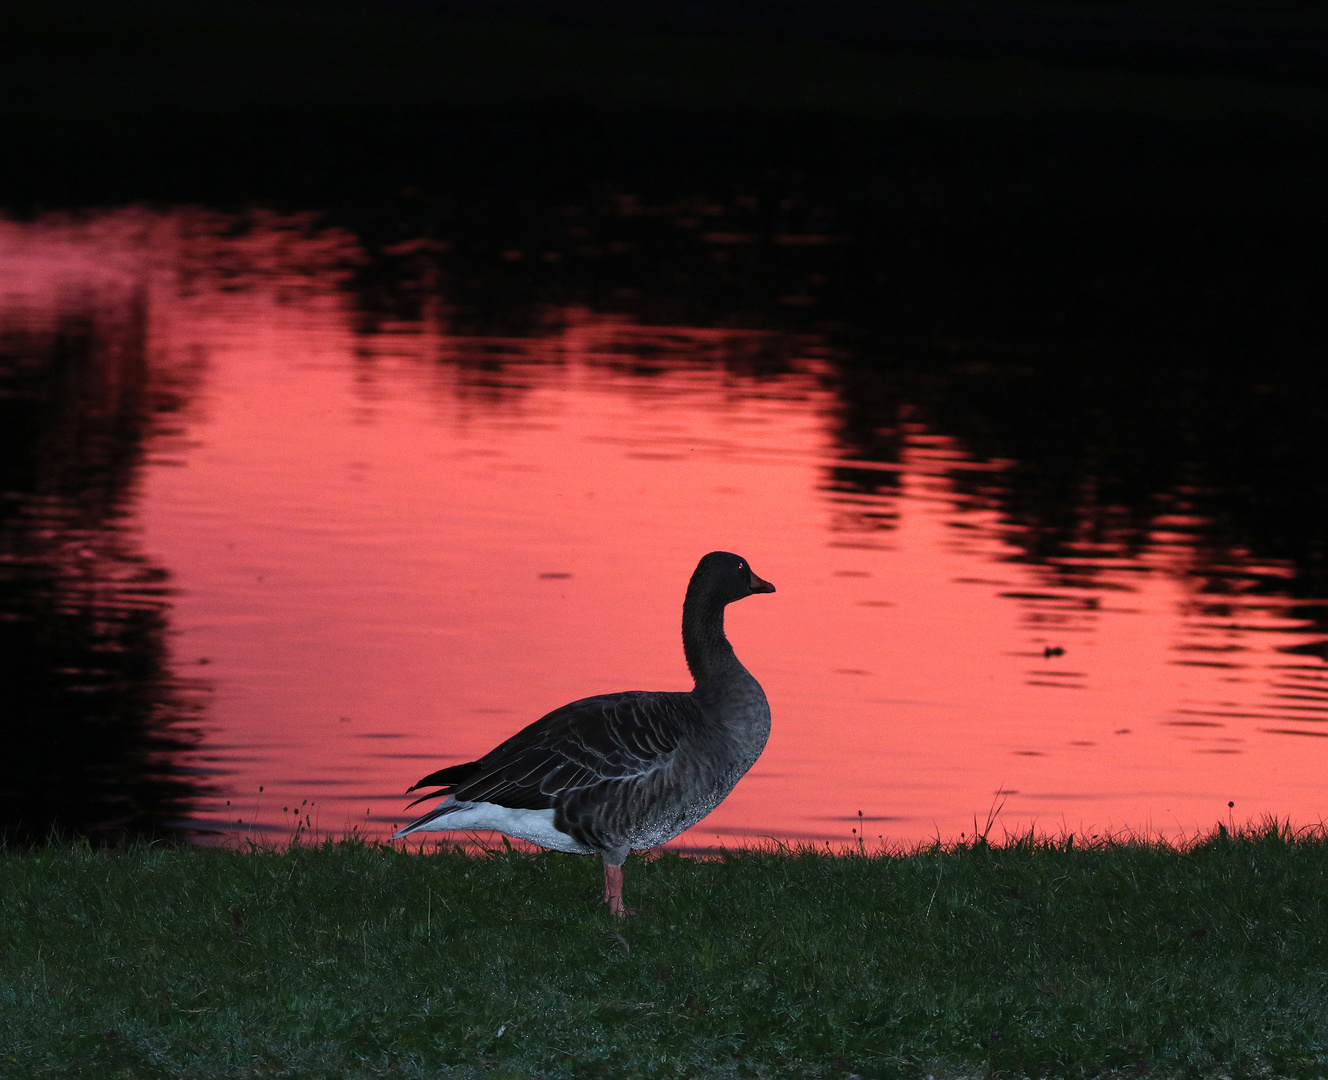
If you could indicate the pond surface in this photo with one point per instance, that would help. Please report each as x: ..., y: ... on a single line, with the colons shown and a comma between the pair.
x: 271, y: 553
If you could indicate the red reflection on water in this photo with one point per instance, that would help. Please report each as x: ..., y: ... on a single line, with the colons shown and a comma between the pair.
x: 394, y: 549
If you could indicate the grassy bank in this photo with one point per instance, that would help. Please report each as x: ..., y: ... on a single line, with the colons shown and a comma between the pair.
x: 250, y: 58
x: 302, y: 100
x: 1034, y: 958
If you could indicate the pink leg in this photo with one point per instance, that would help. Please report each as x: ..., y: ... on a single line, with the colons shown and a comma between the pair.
x: 613, y: 891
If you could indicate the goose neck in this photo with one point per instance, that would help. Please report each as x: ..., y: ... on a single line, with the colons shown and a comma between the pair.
x: 710, y: 657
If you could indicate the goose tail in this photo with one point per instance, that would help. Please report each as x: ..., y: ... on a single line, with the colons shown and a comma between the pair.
x: 448, y: 777
x: 447, y: 806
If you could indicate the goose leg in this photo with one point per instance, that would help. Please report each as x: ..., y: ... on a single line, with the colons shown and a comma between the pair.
x: 613, y: 891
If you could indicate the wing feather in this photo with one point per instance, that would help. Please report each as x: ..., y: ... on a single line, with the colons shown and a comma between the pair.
x: 612, y: 737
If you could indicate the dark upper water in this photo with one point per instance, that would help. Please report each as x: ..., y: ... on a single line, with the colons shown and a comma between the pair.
x: 292, y: 512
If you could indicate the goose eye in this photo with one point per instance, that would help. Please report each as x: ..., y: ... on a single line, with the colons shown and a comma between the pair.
x: 741, y: 567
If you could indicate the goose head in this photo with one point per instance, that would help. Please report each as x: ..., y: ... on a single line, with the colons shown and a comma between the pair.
x: 724, y: 577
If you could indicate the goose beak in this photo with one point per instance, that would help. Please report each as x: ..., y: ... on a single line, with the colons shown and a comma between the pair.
x: 761, y: 586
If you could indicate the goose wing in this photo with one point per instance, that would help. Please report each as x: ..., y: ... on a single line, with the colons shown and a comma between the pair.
x: 609, y: 737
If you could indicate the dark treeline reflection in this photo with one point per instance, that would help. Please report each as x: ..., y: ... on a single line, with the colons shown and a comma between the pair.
x: 1101, y: 428
x: 1094, y: 452
x: 93, y: 725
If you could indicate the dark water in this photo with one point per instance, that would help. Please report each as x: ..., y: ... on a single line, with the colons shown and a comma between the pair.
x: 94, y: 719
x: 1020, y: 365
x: 286, y: 520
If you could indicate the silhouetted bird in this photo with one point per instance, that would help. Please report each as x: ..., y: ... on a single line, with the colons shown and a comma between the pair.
x: 617, y: 772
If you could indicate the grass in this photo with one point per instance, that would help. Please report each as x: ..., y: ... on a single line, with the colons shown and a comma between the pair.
x: 1037, y: 957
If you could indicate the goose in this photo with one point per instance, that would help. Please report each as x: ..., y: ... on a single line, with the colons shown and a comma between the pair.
x: 627, y: 771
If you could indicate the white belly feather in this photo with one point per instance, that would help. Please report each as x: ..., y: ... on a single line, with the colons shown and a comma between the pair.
x: 535, y: 826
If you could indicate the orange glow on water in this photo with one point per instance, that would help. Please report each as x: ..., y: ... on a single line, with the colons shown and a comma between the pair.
x: 393, y: 549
